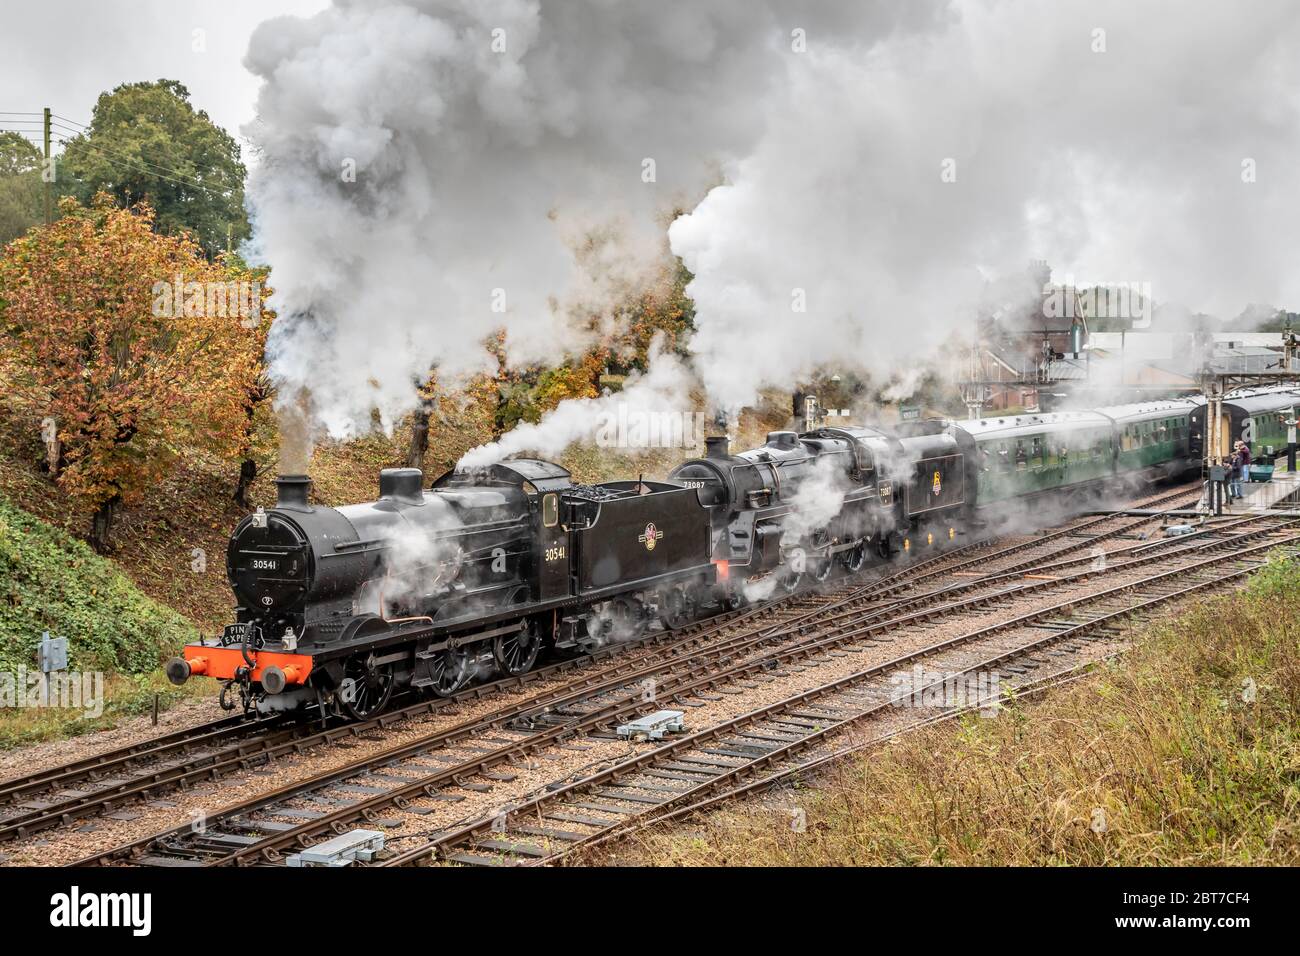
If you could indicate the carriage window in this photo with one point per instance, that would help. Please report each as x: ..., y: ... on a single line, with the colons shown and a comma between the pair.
x: 550, y: 510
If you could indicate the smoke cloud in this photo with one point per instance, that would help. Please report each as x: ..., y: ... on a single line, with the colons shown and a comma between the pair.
x: 663, y: 390
x: 1139, y: 142
x: 856, y: 175
x: 432, y: 170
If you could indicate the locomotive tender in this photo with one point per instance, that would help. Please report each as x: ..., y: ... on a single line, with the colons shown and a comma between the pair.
x: 423, y: 589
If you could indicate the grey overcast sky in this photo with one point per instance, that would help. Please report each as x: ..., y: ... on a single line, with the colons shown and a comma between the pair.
x: 64, y: 53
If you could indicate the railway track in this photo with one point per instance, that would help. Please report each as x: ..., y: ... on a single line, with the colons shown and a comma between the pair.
x: 763, y: 746
x: 109, y: 782
x: 262, y: 829
x: 792, y: 770
x: 617, y: 675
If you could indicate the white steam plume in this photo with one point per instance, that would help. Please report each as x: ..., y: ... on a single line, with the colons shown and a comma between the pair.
x: 425, y: 164
x: 880, y: 164
x: 661, y: 392
x: 817, y: 501
x: 1149, y: 142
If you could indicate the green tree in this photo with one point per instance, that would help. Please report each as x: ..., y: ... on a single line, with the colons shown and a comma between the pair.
x: 146, y: 143
x: 21, y: 202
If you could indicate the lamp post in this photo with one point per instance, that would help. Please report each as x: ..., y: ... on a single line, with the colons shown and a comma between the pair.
x: 1290, y: 445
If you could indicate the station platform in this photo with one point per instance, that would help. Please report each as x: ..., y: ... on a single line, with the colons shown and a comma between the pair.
x: 1263, y: 495
x: 1283, y: 492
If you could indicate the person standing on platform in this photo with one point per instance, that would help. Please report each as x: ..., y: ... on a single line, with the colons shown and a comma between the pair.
x: 1234, y: 483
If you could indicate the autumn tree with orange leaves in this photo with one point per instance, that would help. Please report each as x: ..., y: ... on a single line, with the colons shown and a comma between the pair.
x: 122, y: 346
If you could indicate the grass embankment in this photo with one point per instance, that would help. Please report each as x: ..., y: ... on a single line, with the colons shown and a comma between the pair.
x: 50, y: 581
x: 1185, y: 752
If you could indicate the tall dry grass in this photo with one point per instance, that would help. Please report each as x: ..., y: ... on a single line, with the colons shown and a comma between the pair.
x: 1184, y: 752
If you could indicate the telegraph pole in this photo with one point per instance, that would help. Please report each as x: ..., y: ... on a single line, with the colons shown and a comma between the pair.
x: 1216, y: 475
x: 47, y: 173
x: 1290, y: 346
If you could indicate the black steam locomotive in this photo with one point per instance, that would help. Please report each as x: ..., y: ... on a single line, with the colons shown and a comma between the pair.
x: 796, y: 505
x: 338, y: 608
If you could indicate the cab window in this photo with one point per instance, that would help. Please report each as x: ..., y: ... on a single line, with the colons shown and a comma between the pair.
x: 862, y: 456
x: 550, y: 510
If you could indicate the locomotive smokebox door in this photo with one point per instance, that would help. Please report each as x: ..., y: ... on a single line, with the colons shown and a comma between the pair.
x: 553, y: 548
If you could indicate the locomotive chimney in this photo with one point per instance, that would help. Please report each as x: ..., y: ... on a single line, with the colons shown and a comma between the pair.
x: 291, y: 492
x: 716, y: 446
x: 402, y: 484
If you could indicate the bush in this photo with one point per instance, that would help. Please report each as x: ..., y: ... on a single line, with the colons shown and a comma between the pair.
x: 50, y: 581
